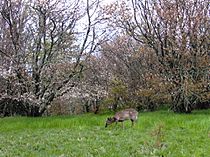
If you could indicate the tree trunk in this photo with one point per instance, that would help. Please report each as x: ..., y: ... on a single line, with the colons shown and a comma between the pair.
x: 34, y: 112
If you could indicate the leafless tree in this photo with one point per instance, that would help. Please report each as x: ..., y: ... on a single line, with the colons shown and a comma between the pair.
x: 177, y: 32
x: 43, y: 47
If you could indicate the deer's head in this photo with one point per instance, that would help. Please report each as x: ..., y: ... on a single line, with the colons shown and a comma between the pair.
x: 110, y: 120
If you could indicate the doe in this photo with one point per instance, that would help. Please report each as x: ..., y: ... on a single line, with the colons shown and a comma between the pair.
x: 121, y: 116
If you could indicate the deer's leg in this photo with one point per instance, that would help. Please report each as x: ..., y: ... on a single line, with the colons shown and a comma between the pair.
x: 132, y: 121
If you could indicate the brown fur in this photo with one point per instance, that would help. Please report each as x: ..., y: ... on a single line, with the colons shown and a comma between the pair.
x: 121, y: 116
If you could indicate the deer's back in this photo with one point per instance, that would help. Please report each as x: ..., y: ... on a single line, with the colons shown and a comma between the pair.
x: 126, y: 114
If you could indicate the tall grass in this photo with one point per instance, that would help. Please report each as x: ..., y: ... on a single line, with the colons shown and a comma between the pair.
x: 158, y: 133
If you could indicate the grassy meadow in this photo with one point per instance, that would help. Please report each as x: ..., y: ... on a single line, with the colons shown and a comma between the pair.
x: 160, y: 133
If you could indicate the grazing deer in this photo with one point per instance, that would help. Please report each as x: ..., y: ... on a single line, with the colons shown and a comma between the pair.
x: 127, y: 114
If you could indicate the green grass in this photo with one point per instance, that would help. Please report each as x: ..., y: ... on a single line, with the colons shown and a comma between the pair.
x: 158, y: 133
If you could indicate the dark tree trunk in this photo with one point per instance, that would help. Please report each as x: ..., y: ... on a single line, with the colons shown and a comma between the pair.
x: 34, y: 112
x: 97, y: 106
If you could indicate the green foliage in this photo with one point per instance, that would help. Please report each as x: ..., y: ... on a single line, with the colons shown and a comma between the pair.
x: 118, y: 94
x: 118, y: 89
x: 158, y: 133
x: 106, y: 102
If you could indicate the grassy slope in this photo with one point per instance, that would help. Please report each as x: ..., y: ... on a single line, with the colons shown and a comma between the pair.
x: 156, y: 133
